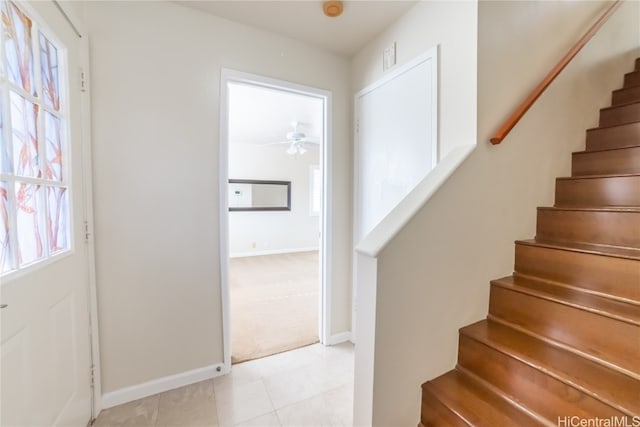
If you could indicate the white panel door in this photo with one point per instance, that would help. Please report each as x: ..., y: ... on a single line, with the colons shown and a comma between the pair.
x: 45, y: 343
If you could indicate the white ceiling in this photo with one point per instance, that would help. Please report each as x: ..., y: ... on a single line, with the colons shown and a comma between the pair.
x: 263, y: 116
x: 304, y: 20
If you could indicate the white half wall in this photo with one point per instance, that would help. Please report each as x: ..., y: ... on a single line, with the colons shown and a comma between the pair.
x: 451, y: 28
x: 263, y: 232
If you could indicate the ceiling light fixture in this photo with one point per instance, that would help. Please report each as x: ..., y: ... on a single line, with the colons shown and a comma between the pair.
x: 332, y: 8
x: 296, y: 148
x: 297, y: 142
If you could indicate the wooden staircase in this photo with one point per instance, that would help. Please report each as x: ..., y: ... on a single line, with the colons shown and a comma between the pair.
x: 562, y: 338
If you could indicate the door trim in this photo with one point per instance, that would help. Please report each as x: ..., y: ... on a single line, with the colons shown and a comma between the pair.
x: 87, y: 166
x: 84, y: 86
x: 229, y: 76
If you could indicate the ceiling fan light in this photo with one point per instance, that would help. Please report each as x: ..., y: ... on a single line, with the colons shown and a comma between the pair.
x: 292, y: 149
x: 301, y: 150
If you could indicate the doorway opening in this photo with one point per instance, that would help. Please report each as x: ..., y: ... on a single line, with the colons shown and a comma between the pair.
x: 274, y: 226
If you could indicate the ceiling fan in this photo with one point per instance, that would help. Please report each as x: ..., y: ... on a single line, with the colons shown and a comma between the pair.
x: 296, y: 140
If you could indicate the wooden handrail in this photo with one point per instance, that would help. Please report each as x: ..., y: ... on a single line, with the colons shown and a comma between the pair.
x: 517, y: 114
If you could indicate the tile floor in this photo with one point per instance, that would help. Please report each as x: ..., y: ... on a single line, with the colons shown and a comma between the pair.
x: 310, y: 386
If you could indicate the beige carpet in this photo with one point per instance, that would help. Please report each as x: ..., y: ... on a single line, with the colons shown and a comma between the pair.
x: 274, y: 304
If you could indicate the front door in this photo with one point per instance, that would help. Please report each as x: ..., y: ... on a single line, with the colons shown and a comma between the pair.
x: 45, y: 355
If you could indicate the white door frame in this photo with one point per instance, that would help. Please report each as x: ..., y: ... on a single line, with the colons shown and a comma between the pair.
x: 96, y: 371
x: 87, y: 167
x: 233, y: 76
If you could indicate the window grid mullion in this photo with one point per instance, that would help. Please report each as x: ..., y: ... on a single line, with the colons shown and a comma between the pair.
x: 7, y: 141
x: 42, y: 220
x: 9, y: 178
x: 28, y: 179
x: 3, y: 70
x: 13, y: 224
x: 35, y: 100
x: 43, y: 207
x: 6, y: 125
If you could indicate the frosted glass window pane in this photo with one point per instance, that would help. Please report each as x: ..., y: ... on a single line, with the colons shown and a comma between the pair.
x: 17, y: 46
x: 49, y: 68
x: 5, y: 245
x: 30, y: 243
x: 5, y: 165
x: 24, y: 115
x: 58, y: 218
x: 53, y: 147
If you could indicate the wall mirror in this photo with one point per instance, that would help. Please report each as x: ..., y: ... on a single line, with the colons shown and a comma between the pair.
x: 259, y: 195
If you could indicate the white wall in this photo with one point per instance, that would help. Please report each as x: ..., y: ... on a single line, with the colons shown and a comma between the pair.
x: 434, y: 275
x: 274, y: 231
x: 155, y: 105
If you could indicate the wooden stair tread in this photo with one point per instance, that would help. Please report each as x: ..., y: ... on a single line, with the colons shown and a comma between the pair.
x: 607, y: 226
x: 579, y: 287
x: 624, y: 89
x: 621, y: 391
x: 475, y: 404
x: 435, y: 413
x: 605, y: 190
x: 625, y: 95
x: 618, y: 136
x: 612, y: 275
x: 602, y: 160
x: 605, y: 160
x: 542, y: 396
x: 584, y: 333
x: 615, y: 175
x: 620, y: 114
x: 626, y: 104
x: 614, y: 149
x: 631, y: 79
x: 630, y: 124
x: 633, y: 209
x: 574, y: 298
x: 612, y: 251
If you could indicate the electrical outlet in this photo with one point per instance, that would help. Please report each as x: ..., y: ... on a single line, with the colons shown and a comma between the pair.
x: 389, y: 57
x: 253, y: 245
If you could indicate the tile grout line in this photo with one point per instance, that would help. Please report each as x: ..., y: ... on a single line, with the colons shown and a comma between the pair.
x: 275, y: 410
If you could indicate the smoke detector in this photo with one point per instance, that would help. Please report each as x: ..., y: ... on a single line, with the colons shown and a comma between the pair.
x: 332, y: 8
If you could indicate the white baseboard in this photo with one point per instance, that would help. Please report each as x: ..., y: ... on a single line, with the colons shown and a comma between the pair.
x: 129, y: 394
x: 271, y: 252
x: 339, y: 338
